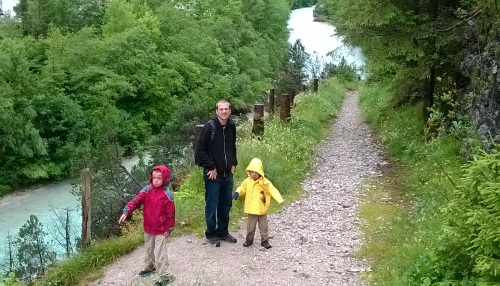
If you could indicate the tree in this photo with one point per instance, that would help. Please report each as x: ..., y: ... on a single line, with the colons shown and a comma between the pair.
x: 413, y: 42
x: 294, y: 70
x: 64, y: 231
x: 303, y: 3
x: 33, y: 252
x: 9, y: 265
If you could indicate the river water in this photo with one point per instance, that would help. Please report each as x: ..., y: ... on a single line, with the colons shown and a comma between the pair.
x: 8, y: 5
x: 320, y: 38
x: 43, y: 201
x: 16, y: 209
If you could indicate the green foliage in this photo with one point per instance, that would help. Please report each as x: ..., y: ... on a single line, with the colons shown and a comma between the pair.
x: 10, y: 280
x: 402, y: 209
x: 303, y: 3
x: 73, y: 271
x: 343, y: 71
x: 450, y: 116
x: 33, y: 253
x: 469, y: 243
x: 418, y: 46
x: 293, y: 71
x: 135, y: 67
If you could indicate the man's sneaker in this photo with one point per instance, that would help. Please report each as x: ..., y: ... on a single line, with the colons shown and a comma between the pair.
x: 165, y: 281
x: 229, y: 238
x: 266, y: 244
x: 214, y: 241
x: 247, y: 243
x: 146, y: 272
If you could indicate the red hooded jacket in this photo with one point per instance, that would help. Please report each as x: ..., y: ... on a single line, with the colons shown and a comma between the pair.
x: 159, y: 207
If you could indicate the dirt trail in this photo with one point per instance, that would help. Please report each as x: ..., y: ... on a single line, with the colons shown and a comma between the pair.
x: 313, y: 239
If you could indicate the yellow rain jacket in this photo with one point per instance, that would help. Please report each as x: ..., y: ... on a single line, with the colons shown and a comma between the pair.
x: 258, y: 192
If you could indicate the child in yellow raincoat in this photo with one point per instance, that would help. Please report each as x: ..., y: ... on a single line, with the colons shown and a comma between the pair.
x: 258, y: 192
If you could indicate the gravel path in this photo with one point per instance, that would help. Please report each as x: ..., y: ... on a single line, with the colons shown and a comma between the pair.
x: 313, y: 239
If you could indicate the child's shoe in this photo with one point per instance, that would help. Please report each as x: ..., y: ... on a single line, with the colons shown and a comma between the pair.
x: 266, y: 244
x: 165, y: 280
x: 146, y: 272
x: 247, y: 243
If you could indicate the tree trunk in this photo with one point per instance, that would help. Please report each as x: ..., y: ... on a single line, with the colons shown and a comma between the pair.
x: 428, y: 98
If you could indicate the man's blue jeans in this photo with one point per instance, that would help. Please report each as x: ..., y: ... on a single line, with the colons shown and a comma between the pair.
x: 218, y: 202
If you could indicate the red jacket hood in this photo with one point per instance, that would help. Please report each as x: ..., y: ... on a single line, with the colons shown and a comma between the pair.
x: 165, y: 171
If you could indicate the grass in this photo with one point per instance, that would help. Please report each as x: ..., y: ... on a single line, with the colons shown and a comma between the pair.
x: 401, y: 211
x: 88, y: 264
x: 286, y: 150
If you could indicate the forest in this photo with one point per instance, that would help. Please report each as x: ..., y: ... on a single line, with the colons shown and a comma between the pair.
x: 79, y: 75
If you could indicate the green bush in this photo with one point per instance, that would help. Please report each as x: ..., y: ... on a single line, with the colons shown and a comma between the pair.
x: 10, y: 280
x: 470, y: 242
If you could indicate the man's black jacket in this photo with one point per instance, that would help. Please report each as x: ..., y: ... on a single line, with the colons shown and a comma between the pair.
x: 220, y: 153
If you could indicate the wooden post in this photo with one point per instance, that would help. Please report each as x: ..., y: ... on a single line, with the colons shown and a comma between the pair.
x: 285, y: 107
x: 292, y: 96
x: 271, y: 102
x: 315, y: 85
x: 258, y: 122
x: 197, y: 132
x: 86, y: 207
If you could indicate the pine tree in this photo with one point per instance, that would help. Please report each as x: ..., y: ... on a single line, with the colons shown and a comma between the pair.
x: 33, y: 252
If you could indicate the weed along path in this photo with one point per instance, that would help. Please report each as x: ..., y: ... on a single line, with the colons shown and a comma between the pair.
x: 314, y: 239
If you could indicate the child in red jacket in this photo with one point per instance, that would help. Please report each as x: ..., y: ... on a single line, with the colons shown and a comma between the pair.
x: 159, y: 222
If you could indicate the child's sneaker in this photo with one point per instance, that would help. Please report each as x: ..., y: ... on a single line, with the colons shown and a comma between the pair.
x: 266, y: 244
x: 165, y: 281
x: 146, y: 272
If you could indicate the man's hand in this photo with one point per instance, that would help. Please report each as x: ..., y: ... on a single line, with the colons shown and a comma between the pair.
x: 167, y: 234
x: 212, y: 174
x: 122, y: 218
x: 232, y: 169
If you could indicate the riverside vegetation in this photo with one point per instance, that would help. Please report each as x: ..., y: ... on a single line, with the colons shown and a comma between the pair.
x: 85, y: 82
x: 432, y: 95
x: 283, y: 145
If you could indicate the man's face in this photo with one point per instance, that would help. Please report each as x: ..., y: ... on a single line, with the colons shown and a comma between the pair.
x: 157, y: 178
x: 223, y: 111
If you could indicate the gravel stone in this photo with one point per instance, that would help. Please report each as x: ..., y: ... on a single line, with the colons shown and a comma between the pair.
x: 314, y: 239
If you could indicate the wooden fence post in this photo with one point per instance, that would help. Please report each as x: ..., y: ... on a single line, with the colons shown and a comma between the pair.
x: 197, y: 132
x: 258, y: 123
x: 315, y: 85
x: 292, y: 97
x: 86, y: 207
x: 285, y: 107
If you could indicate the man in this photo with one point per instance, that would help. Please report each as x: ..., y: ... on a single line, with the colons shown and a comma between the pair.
x: 216, y: 153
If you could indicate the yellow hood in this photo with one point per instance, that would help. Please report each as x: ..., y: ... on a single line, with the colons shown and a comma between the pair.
x: 256, y: 166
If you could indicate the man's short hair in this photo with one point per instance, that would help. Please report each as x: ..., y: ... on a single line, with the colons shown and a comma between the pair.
x: 222, y: 101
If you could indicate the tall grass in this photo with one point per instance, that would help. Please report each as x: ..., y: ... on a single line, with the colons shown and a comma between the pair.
x: 286, y: 150
x: 402, y: 210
